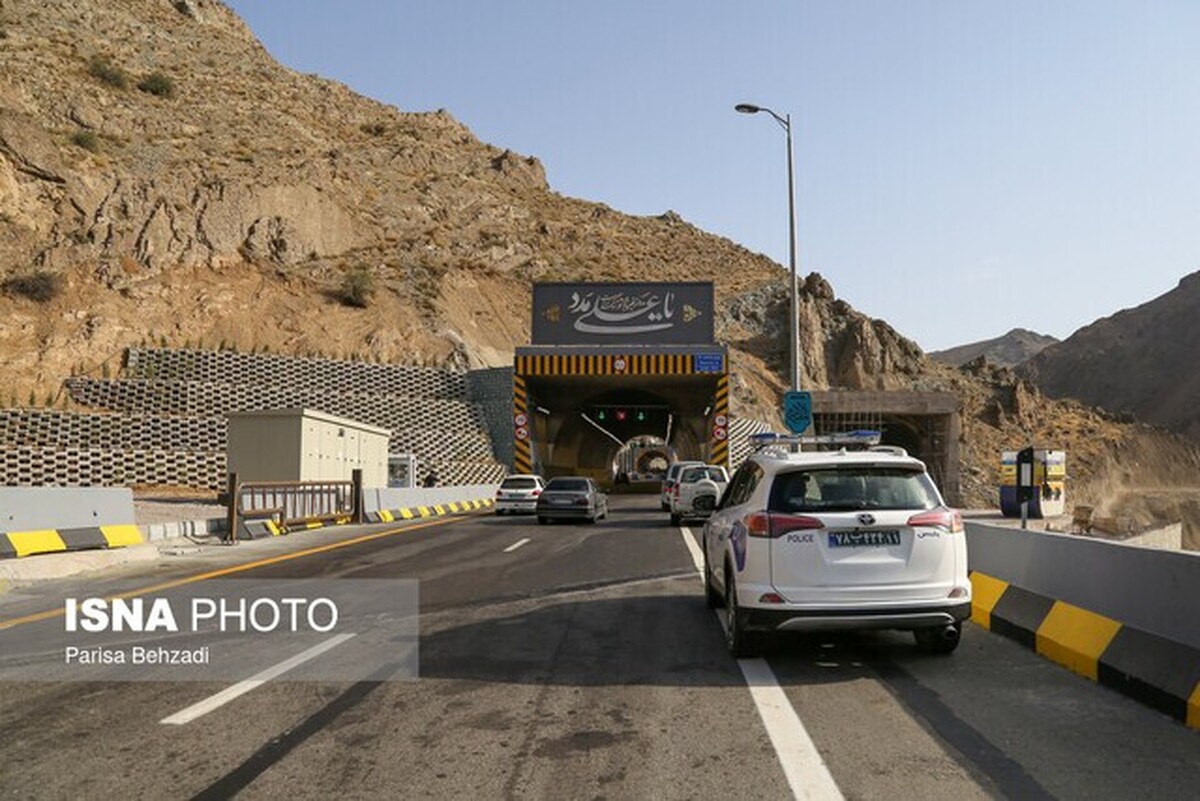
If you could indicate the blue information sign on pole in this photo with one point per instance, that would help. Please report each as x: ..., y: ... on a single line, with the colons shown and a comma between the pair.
x: 797, y: 411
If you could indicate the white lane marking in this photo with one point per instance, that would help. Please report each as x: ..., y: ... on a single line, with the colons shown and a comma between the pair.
x: 803, y: 767
x: 516, y: 545
x: 806, y: 772
x: 689, y: 539
x: 242, y: 687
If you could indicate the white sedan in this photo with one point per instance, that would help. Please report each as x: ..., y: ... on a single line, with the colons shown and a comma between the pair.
x: 519, y: 493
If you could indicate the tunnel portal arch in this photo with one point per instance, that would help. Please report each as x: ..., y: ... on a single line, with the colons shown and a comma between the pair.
x: 576, y: 412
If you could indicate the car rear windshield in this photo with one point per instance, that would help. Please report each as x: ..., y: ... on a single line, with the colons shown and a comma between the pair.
x: 567, y: 485
x: 519, y: 483
x: 701, y: 473
x: 841, y: 489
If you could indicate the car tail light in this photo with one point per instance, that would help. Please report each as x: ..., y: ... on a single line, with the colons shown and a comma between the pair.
x: 770, y: 598
x: 581, y: 501
x: 535, y: 493
x: 948, y: 520
x: 784, y: 524
x: 676, y: 492
x: 758, y: 524
x: 762, y: 524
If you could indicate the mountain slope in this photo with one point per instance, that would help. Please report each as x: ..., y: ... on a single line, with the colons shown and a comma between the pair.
x: 1141, y: 360
x: 227, y: 201
x: 1009, y: 350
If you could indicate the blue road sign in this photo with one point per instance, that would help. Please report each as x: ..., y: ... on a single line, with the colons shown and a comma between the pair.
x: 797, y: 411
x: 709, y: 362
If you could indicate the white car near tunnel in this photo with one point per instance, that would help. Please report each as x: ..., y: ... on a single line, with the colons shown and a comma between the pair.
x: 696, y: 492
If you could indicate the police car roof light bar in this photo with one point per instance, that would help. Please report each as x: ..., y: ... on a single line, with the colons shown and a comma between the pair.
x: 860, y: 438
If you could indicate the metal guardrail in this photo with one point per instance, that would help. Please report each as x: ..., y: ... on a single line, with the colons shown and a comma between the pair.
x: 292, y: 503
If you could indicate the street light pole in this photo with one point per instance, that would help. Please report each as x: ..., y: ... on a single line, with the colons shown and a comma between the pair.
x: 785, y: 122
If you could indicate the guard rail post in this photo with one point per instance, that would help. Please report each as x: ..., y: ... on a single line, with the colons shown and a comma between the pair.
x: 232, y: 516
x: 356, y: 480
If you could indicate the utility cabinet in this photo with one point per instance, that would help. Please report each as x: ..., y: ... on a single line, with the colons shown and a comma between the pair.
x: 305, y: 445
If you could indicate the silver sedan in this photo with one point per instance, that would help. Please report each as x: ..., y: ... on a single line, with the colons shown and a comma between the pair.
x: 572, y: 498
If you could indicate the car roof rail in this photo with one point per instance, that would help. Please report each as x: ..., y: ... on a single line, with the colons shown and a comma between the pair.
x: 770, y: 441
x: 894, y: 450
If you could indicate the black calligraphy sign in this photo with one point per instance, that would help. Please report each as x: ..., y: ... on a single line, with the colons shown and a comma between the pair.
x: 623, y: 314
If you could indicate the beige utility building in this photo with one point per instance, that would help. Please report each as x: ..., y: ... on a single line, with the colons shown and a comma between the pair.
x: 306, y: 445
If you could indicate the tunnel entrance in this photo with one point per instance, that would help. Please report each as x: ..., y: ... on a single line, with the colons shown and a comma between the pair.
x: 620, y: 418
x: 642, y: 460
x: 619, y: 379
x: 926, y: 424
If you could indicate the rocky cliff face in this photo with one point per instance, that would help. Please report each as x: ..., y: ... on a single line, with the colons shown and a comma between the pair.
x: 1140, y: 361
x: 163, y: 180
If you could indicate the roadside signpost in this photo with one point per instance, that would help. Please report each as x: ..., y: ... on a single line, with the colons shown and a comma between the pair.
x: 1025, y: 488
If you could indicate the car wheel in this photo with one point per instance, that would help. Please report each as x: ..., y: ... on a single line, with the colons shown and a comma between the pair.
x: 499, y: 512
x: 938, y: 640
x: 675, y: 519
x: 742, y: 644
x: 542, y: 520
x: 711, y: 596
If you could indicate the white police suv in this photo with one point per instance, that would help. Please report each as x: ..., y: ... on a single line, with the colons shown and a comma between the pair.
x: 837, y: 539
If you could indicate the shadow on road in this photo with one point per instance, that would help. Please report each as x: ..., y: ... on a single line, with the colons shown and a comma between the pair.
x: 663, y: 640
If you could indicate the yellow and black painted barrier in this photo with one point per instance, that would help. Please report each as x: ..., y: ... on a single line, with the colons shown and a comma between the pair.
x: 609, y: 364
x: 15, y: 544
x: 522, y: 442
x: 1159, y: 672
x: 55, y: 540
x: 432, y: 510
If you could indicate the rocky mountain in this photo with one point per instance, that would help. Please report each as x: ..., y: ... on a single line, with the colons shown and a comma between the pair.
x: 1139, y: 361
x: 163, y: 180
x: 1009, y: 350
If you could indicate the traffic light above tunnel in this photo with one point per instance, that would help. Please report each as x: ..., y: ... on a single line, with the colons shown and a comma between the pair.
x: 629, y: 413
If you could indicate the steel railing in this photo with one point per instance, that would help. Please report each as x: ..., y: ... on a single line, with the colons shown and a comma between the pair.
x: 293, y: 503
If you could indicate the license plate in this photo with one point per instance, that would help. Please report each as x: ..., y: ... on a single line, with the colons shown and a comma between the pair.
x: 561, y: 501
x: 863, y: 539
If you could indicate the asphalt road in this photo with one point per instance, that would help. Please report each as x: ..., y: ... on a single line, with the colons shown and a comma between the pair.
x: 582, y: 663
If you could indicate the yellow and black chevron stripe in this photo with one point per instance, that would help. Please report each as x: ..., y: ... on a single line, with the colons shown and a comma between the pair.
x: 1161, y: 673
x: 522, y: 448
x: 610, y: 364
x: 53, y: 540
x: 417, y: 512
x: 719, y: 448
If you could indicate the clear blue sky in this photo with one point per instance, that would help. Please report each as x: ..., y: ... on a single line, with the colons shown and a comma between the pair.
x: 963, y: 167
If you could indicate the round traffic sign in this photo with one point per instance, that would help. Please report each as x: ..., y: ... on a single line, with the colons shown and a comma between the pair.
x: 719, y: 433
x: 720, y: 420
x: 522, y: 433
x: 521, y: 419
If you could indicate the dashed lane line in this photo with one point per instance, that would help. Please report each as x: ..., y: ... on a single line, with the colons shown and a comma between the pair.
x: 806, y: 772
x: 516, y: 545
x: 257, y: 680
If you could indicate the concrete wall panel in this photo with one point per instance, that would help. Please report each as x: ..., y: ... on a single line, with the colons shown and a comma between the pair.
x: 1149, y: 589
x: 34, y: 508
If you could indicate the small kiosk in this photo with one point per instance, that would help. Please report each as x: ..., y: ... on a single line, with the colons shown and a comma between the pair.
x: 1049, y: 481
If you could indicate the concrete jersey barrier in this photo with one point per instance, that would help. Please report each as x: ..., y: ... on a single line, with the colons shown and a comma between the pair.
x: 1121, y: 615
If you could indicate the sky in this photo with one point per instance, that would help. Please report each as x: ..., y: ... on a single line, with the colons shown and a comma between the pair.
x: 962, y: 167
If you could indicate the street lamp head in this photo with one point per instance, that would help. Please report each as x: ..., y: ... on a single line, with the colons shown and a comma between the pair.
x: 747, y: 108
